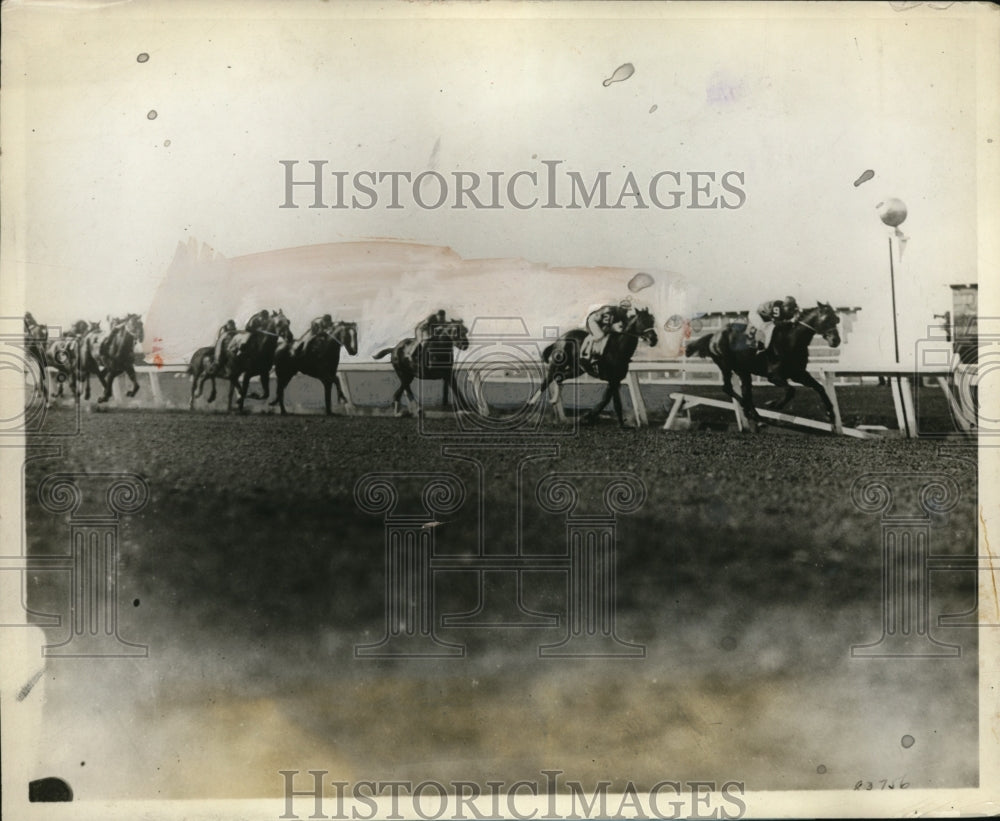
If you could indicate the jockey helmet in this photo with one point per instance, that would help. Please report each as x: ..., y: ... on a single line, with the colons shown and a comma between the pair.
x: 791, y: 304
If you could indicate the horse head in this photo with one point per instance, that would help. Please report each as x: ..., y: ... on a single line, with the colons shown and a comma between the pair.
x: 35, y: 332
x: 823, y: 319
x: 280, y: 325
x: 346, y: 333
x: 643, y: 325
x: 456, y: 331
x: 133, y: 325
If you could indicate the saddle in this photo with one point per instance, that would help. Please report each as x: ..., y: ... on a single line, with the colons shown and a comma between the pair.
x: 433, y: 354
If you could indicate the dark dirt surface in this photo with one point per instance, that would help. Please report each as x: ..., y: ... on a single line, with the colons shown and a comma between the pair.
x: 748, y: 573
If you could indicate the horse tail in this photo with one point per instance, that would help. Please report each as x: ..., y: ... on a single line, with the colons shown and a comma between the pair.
x: 383, y: 352
x: 699, y: 347
x: 548, y: 352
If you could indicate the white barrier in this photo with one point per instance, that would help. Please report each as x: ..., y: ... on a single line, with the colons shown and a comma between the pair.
x: 683, y: 401
x: 689, y: 373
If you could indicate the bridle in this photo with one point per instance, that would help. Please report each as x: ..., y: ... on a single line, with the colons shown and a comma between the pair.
x: 824, y: 332
x: 644, y: 335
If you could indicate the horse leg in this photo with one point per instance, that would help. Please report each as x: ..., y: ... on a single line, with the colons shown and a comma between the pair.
x: 608, y: 395
x: 281, y: 380
x: 43, y: 379
x: 809, y: 381
x: 727, y: 381
x: 279, y: 398
x: 108, y: 380
x: 327, y: 389
x: 781, y: 382
x: 92, y: 370
x: 746, y: 386
x: 130, y: 371
x: 616, y: 398
x: 341, y: 396
x: 397, y: 408
x: 412, y: 398
x: 244, y: 389
x: 533, y: 399
x: 194, y: 391
x: 265, y: 383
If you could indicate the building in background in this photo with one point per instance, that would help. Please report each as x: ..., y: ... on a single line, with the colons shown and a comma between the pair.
x: 963, y: 324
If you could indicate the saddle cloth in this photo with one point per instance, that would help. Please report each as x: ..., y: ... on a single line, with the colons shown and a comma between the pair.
x: 742, y: 337
x: 432, y: 354
x: 597, y: 348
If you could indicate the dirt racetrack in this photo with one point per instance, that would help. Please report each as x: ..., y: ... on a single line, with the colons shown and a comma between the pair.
x: 251, y: 574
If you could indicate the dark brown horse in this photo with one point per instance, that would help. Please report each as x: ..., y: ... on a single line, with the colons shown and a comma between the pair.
x: 64, y: 355
x: 108, y: 355
x: 611, y: 365
x: 785, y: 360
x: 433, y: 359
x: 319, y: 359
x: 251, y: 353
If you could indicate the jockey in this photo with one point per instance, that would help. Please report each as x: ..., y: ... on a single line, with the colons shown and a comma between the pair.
x: 258, y: 320
x: 425, y: 330
x: 605, y: 320
x: 82, y: 327
x: 320, y: 326
x: 225, y: 332
x: 762, y: 321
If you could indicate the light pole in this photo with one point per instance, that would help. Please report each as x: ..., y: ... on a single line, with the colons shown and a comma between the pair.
x: 892, y: 212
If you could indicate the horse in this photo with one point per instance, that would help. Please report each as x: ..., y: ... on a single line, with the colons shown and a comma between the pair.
x: 785, y: 360
x: 64, y: 354
x: 250, y: 353
x: 108, y: 355
x: 319, y: 359
x: 36, y: 337
x: 200, y: 369
x: 433, y: 359
x: 610, y: 365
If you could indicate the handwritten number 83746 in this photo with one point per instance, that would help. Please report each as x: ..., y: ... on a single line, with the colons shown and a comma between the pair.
x: 883, y: 784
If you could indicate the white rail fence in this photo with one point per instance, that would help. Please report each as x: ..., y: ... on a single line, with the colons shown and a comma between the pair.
x: 957, y: 384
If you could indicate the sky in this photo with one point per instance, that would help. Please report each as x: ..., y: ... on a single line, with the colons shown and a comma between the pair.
x: 111, y: 161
